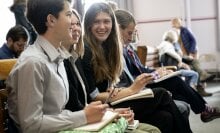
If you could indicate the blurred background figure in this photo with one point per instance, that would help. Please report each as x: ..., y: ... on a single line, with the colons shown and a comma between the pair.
x: 19, y: 10
x: 16, y: 40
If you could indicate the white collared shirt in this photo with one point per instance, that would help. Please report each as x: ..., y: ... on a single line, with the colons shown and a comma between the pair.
x: 39, y: 90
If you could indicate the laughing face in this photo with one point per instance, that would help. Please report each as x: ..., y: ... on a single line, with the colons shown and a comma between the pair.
x: 76, y: 29
x: 63, y: 24
x: 102, y: 26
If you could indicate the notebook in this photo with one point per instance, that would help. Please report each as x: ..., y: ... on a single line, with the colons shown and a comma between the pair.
x: 134, y: 125
x: 145, y: 93
x: 167, y: 76
x: 108, y: 117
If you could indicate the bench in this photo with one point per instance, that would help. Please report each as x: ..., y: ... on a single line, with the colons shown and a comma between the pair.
x: 149, y: 56
x: 5, y: 67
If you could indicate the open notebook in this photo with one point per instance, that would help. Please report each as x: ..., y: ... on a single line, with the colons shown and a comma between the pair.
x: 176, y: 73
x: 146, y: 93
x: 108, y: 117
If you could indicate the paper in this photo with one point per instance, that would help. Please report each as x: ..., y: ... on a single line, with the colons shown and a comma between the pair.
x: 167, y: 76
x: 108, y: 117
x: 146, y: 93
x: 134, y: 125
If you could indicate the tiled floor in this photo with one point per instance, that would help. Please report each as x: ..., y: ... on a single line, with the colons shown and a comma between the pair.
x: 197, y: 125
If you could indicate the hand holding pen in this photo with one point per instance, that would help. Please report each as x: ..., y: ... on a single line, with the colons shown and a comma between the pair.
x: 111, y: 94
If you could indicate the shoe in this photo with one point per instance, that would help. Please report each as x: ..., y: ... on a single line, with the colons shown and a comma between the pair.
x: 210, y: 114
x: 202, y: 92
x: 210, y: 77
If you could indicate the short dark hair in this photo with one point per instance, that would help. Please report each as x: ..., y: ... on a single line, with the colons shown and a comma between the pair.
x: 38, y: 10
x: 17, y: 32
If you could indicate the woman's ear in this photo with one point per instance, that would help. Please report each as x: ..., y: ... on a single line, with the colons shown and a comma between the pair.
x: 50, y: 20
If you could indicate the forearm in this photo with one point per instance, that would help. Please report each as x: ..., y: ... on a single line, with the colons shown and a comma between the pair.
x: 118, y: 94
x: 124, y: 92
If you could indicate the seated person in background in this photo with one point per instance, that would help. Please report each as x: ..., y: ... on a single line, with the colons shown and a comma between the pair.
x: 179, y: 89
x: 168, y: 56
x: 189, y: 49
x: 171, y: 54
x: 102, y: 66
x: 16, y: 39
x: 78, y: 87
x: 38, y: 88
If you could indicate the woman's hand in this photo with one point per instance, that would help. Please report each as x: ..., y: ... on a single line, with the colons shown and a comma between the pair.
x: 141, y: 81
x: 115, y: 91
x: 95, y: 111
x: 127, y: 113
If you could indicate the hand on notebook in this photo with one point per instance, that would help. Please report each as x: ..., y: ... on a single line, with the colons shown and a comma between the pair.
x: 127, y: 113
x: 141, y: 81
x: 95, y: 111
x: 162, y: 72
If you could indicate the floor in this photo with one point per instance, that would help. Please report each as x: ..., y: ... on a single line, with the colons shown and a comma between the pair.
x: 197, y: 125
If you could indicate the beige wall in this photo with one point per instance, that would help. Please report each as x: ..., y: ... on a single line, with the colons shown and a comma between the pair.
x: 7, y: 19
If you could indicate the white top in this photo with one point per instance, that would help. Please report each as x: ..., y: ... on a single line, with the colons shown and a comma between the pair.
x: 39, y: 90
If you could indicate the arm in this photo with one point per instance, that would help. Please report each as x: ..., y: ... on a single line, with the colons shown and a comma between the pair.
x: 41, y: 101
x: 139, y: 83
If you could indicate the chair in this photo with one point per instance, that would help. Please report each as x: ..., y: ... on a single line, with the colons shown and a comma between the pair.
x: 209, y: 63
x: 5, y: 67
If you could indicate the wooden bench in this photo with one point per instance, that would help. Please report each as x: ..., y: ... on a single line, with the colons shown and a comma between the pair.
x: 5, y: 67
x: 149, y: 56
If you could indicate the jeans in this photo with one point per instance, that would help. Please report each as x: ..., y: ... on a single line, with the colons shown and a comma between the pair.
x: 191, y: 76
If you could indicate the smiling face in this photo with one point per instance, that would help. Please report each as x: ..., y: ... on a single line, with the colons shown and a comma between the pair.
x: 76, y: 29
x: 76, y: 32
x: 127, y: 33
x: 62, y: 26
x: 102, y: 26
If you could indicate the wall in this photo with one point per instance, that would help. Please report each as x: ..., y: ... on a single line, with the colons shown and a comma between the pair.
x: 153, y: 17
x: 7, y: 19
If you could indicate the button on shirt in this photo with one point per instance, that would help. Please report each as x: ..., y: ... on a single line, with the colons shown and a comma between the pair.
x: 38, y: 91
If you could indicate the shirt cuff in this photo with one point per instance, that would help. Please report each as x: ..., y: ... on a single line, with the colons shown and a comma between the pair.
x: 94, y: 94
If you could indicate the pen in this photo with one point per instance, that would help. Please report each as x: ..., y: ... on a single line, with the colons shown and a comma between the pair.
x: 109, y: 96
x: 162, y: 66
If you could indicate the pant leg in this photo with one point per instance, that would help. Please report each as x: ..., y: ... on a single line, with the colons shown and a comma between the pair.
x: 196, y: 67
x: 191, y: 76
x: 183, y: 108
x: 181, y: 91
x: 145, y: 128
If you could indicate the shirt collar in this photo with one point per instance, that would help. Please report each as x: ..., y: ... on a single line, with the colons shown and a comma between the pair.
x: 66, y: 54
x: 52, y: 53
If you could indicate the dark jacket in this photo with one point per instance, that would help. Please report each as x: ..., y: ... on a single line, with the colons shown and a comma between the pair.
x: 6, y: 53
x: 76, y: 96
x: 188, y: 40
x: 135, y: 71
